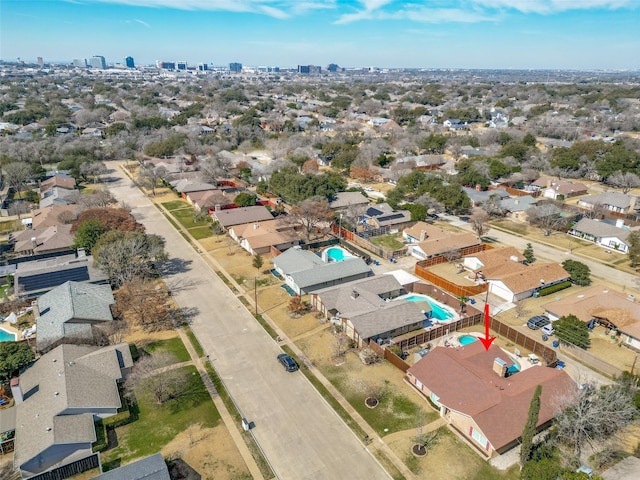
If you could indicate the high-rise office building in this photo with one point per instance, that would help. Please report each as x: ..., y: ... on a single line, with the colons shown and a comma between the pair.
x: 235, y: 67
x: 98, y: 61
x: 332, y: 67
x: 129, y: 63
x: 181, y: 65
x: 203, y: 67
x: 166, y: 65
x: 79, y: 63
x: 40, y: 62
x: 304, y: 68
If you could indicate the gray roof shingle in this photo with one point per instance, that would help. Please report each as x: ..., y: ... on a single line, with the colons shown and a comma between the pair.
x: 152, y: 467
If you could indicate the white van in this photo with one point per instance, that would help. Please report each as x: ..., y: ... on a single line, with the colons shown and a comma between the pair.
x: 548, y: 330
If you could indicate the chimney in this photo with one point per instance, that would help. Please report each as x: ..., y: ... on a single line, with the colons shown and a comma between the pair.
x: 16, y: 391
x: 217, y: 207
x: 354, y: 294
x: 478, y: 188
x: 516, y: 201
x: 423, y: 235
x: 256, y: 226
x: 81, y: 253
x: 500, y: 367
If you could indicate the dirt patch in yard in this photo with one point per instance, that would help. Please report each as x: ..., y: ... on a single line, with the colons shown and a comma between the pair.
x: 210, y: 452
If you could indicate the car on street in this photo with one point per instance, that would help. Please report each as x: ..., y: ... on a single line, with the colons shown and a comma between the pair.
x: 287, y: 362
x: 537, y: 322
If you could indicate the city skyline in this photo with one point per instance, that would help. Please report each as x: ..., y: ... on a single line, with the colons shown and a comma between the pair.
x: 519, y: 34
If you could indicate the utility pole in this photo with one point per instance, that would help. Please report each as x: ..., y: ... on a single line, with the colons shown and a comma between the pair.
x: 255, y: 292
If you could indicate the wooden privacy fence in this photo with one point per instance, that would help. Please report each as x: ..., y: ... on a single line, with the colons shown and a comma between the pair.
x: 449, y: 286
x: 413, y: 339
x: 548, y: 354
x: 441, y: 258
x: 388, y: 355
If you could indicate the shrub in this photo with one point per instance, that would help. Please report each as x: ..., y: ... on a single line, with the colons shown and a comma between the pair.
x: 553, y: 288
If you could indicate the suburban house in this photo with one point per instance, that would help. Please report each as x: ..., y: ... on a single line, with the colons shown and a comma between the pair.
x: 58, y: 399
x: 613, y: 310
x: 39, y: 241
x: 508, y: 277
x: 476, y: 392
x: 479, y: 196
x: 259, y: 237
x: 62, y: 181
x: 51, y: 216
x: 305, y: 272
x: 426, y: 241
x: 70, y: 311
x: 343, y: 201
x: 616, y: 202
x: 515, y: 208
x: 525, y: 281
x: 603, y: 233
x: 39, y: 276
x: 557, y: 189
x: 57, y: 196
x: 238, y: 216
x: 152, y: 467
x: 365, y: 311
x: 185, y: 186
x: 454, y: 125
x: 492, y: 262
x: 382, y: 215
x: 212, y: 199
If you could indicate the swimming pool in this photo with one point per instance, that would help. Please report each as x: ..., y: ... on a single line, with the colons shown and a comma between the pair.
x: 467, y: 339
x: 7, y: 336
x: 438, y: 311
x: 336, y: 254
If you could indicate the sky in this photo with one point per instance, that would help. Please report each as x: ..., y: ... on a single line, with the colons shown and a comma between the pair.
x: 506, y: 34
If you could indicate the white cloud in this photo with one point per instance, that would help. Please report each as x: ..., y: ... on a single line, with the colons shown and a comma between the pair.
x: 552, y: 6
x: 273, y: 8
x: 421, y: 14
x: 142, y: 22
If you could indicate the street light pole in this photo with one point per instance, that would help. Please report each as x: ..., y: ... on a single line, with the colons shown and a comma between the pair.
x: 255, y: 292
x: 340, y: 228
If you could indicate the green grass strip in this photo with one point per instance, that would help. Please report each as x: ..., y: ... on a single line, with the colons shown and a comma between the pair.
x: 194, y: 341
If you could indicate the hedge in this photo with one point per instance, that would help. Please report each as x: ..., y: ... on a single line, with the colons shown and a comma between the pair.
x: 553, y: 288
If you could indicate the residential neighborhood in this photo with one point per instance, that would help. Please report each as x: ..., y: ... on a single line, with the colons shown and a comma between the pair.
x: 446, y: 273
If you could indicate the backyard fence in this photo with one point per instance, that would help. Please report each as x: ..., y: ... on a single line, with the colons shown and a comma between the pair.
x: 388, y: 355
x: 449, y: 286
x: 343, y: 233
x: 547, y: 353
x: 590, y: 360
x: 413, y: 339
x: 71, y: 469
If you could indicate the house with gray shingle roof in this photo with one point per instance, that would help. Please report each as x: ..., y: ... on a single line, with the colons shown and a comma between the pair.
x: 342, y: 201
x: 152, y: 467
x: 58, y: 399
x: 38, y: 241
x: 383, y: 215
x: 70, y: 311
x: 238, y: 216
x: 612, y: 201
x: 365, y: 310
x: 305, y: 272
x: 603, y: 233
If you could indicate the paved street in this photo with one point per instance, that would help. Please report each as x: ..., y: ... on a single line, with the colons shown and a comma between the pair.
x: 300, y: 434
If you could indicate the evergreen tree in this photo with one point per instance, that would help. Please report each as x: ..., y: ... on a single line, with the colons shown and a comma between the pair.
x: 528, y: 254
x: 530, y: 427
x: 258, y: 261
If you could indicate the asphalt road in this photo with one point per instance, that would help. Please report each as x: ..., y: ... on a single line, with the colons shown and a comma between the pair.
x: 301, y: 436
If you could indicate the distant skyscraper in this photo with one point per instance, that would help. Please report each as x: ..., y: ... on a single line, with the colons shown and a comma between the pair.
x: 98, y: 61
x: 202, y: 67
x: 304, y: 68
x: 332, y: 67
x: 166, y: 65
x: 129, y: 62
x: 235, y: 67
x: 80, y: 63
x: 182, y: 65
x: 40, y: 62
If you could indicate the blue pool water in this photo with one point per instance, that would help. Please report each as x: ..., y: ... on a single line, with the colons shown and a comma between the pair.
x: 7, y: 336
x: 467, y: 339
x: 337, y: 254
x: 437, y: 311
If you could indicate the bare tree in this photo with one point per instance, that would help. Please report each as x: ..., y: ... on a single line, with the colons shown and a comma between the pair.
x: 150, y: 376
x: 591, y: 416
x: 212, y: 168
x: 93, y: 169
x: 150, y: 175
x: 479, y: 224
x: 16, y: 175
x: 546, y: 216
x: 625, y: 181
x: 142, y: 303
x: 310, y: 213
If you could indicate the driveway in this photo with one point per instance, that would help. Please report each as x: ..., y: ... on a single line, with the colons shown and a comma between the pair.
x: 300, y: 435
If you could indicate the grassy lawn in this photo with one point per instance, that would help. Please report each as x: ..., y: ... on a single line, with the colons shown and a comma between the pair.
x: 157, y: 425
x: 451, y: 459
x: 395, y: 412
x: 512, y: 227
x: 171, y: 345
x: 186, y: 218
x: 388, y: 242
x: 176, y: 205
x: 194, y: 342
x: 201, y: 232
